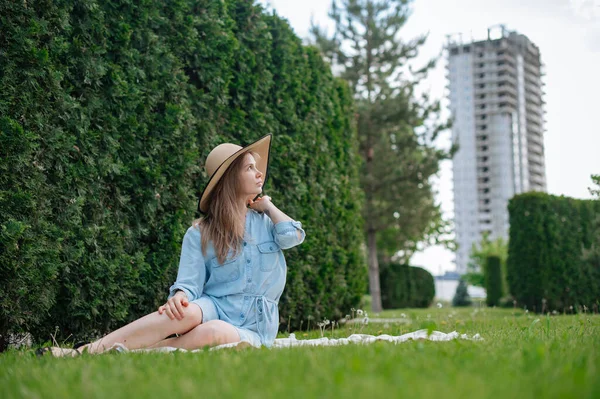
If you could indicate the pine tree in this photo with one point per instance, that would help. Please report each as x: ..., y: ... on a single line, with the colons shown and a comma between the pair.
x: 396, y: 128
x: 461, y: 297
x: 477, y: 260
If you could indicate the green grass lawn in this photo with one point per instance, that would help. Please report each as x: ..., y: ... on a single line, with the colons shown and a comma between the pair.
x: 522, y: 356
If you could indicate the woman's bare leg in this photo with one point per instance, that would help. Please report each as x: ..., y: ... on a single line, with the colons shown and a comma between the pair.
x: 211, y: 333
x: 148, y: 330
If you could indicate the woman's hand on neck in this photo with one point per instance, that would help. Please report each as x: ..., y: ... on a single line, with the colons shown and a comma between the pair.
x: 262, y: 204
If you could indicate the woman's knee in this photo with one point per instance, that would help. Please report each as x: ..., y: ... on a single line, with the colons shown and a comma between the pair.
x: 192, y: 317
x: 219, y: 331
x: 194, y: 312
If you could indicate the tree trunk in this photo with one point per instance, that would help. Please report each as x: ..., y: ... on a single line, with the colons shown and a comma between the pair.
x: 374, y: 286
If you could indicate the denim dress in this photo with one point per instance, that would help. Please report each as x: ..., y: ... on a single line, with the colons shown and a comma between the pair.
x: 245, y: 289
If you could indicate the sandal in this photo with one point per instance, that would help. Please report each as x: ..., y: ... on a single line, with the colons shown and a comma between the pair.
x: 56, y: 351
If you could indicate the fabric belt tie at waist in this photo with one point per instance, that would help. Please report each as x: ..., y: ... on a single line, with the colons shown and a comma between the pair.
x: 260, y: 306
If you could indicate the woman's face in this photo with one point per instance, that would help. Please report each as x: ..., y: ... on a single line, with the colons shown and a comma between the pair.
x: 251, y: 179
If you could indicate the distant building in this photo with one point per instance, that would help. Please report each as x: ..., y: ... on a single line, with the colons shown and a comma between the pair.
x: 448, y: 276
x: 496, y: 102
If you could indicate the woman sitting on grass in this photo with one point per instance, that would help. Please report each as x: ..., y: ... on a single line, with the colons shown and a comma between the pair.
x: 232, y: 270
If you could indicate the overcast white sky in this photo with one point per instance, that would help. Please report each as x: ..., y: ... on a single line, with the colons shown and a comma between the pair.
x: 568, y: 35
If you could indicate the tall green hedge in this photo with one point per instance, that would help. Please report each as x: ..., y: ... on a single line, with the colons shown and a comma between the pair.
x: 405, y: 286
x: 493, y: 280
x: 108, y: 111
x: 547, y: 236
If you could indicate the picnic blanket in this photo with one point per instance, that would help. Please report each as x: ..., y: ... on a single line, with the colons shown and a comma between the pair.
x: 292, y: 341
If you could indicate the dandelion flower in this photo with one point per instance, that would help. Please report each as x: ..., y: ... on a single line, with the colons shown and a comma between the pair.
x: 359, y: 312
x: 439, y: 305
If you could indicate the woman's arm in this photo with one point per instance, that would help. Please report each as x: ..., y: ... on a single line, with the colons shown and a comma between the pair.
x: 192, y: 270
x: 287, y: 231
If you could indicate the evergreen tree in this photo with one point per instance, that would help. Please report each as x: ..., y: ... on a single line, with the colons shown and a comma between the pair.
x: 461, y: 297
x: 493, y: 280
x: 396, y: 128
x: 477, y: 260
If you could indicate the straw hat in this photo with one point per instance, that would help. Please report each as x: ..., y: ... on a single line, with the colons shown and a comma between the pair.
x: 223, y: 155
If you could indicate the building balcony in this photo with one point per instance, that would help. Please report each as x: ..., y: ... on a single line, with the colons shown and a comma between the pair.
x: 497, y: 102
x: 534, y: 118
x: 508, y: 89
x: 534, y: 133
x: 535, y: 138
x: 493, y: 89
x: 533, y: 109
x: 534, y: 126
x: 533, y: 90
x: 535, y: 151
x: 487, y: 79
x: 532, y: 83
x: 535, y: 160
x: 533, y: 123
x: 531, y: 68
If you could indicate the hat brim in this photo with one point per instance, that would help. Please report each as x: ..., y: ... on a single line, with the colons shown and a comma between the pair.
x: 261, y: 146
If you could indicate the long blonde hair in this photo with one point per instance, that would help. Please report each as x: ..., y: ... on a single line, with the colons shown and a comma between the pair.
x: 224, y: 222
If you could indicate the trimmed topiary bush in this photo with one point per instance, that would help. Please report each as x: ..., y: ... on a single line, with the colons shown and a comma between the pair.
x: 493, y: 280
x: 405, y: 286
x: 545, y: 271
